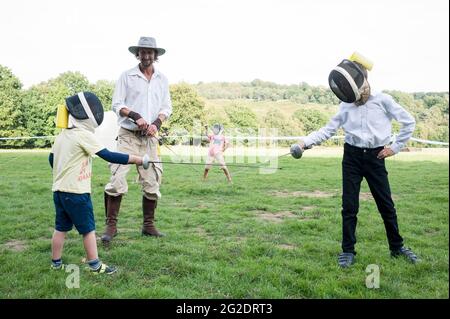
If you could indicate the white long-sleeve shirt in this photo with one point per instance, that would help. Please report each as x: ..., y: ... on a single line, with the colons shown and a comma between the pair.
x: 148, y: 98
x: 368, y: 125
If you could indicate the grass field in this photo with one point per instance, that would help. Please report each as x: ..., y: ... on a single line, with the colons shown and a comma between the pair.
x: 265, y: 236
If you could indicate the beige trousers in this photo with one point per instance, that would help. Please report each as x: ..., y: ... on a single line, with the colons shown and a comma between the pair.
x: 150, y: 179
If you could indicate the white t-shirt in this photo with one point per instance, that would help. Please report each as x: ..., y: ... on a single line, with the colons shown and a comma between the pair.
x: 72, y: 160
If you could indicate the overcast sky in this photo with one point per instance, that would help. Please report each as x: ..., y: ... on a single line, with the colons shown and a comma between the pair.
x: 282, y: 41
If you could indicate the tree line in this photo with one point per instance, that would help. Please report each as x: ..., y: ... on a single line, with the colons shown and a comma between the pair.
x: 32, y: 111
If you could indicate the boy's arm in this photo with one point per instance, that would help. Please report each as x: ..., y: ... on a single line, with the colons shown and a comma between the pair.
x: 397, y: 112
x: 119, y: 158
x: 323, y: 134
x: 50, y: 159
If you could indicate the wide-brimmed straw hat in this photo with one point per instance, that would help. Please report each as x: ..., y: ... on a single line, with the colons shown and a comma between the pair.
x: 146, y: 42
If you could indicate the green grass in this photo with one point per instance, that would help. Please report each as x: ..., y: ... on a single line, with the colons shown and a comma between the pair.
x: 221, y: 241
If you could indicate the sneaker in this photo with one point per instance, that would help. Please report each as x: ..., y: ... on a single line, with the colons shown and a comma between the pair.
x: 103, y: 269
x: 345, y: 260
x: 407, y: 253
x: 59, y: 267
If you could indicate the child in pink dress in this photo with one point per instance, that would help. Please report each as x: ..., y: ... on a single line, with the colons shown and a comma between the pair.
x: 217, y: 145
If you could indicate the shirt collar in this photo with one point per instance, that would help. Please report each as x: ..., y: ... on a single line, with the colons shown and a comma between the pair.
x: 137, y: 71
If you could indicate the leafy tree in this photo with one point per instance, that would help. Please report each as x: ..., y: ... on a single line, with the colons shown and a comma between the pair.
x: 11, y: 115
x: 188, y: 108
x: 104, y: 90
x: 310, y: 119
x: 41, y: 102
x: 241, y: 116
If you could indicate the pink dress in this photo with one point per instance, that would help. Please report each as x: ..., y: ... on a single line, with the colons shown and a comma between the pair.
x: 216, y: 144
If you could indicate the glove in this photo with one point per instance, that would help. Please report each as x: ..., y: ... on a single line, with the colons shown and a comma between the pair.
x: 134, y: 115
x: 157, y: 123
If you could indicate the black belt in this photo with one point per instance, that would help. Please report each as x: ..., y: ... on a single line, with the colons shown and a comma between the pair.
x: 137, y: 132
x: 361, y: 149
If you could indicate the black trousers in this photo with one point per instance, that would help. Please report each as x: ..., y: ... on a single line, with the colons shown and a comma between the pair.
x: 356, y: 164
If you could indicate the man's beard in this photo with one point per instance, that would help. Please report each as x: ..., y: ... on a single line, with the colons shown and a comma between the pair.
x: 147, y: 63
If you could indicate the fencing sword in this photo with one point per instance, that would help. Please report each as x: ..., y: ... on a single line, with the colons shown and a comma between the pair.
x: 296, y: 151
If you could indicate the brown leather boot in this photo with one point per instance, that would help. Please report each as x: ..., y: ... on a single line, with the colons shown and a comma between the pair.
x: 148, y: 208
x: 112, y: 206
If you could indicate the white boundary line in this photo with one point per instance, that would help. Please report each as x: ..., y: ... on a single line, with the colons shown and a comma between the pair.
x: 273, y: 138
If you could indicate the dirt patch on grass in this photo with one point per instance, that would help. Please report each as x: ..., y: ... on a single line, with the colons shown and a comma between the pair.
x: 365, y: 196
x: 286, y: 246
x: 279, y: 217
x: 307, y: 208
x: 15, y: 245
x: 200, y: 231
x: 275, y: 217
x: 314, y: 194
x: 368, y: 196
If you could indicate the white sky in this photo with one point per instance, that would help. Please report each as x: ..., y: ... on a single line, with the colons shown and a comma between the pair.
x: 283, y: 41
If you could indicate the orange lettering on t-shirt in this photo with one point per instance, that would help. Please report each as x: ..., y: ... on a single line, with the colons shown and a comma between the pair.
x: 83, y: 171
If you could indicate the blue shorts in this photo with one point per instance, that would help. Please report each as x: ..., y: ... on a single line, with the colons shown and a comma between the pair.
x: 73, y: 209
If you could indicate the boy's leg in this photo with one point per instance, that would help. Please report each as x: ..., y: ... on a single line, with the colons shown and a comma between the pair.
x: 63, y: 224
x: 90, y: 245
x: 227, y: 173
x: 208, y: 166
x: 57, y: 248
x: 351, y: 184
x: 95, y: 264
x: 377, y: 178
x: 79, y: 208
x: 205, y: 173
x: 57, y: 244
x: 221, y: 160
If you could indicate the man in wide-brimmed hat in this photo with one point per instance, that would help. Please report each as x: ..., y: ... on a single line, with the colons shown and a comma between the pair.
x: 142, y: 102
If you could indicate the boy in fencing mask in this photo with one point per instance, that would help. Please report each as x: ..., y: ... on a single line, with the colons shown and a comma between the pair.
x: 366, y: 119
x: 71, y: 161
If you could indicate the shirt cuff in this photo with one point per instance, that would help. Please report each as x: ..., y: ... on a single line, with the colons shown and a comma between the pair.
x: 395, y: 148
x: 308, y: 141
x: 118, y: 110
x: 165, y: 113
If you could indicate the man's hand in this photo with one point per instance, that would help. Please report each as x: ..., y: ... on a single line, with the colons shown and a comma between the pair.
x: 301, y: 144
x: 142, y: 124
x: 136, y: 117
x: 154, y: 127
x: 386, y: 152
x: 151, y: 130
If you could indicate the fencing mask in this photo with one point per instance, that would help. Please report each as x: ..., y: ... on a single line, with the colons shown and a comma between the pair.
x: 217, y: 128
x: 85, y: 105
x: 348, y: 81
